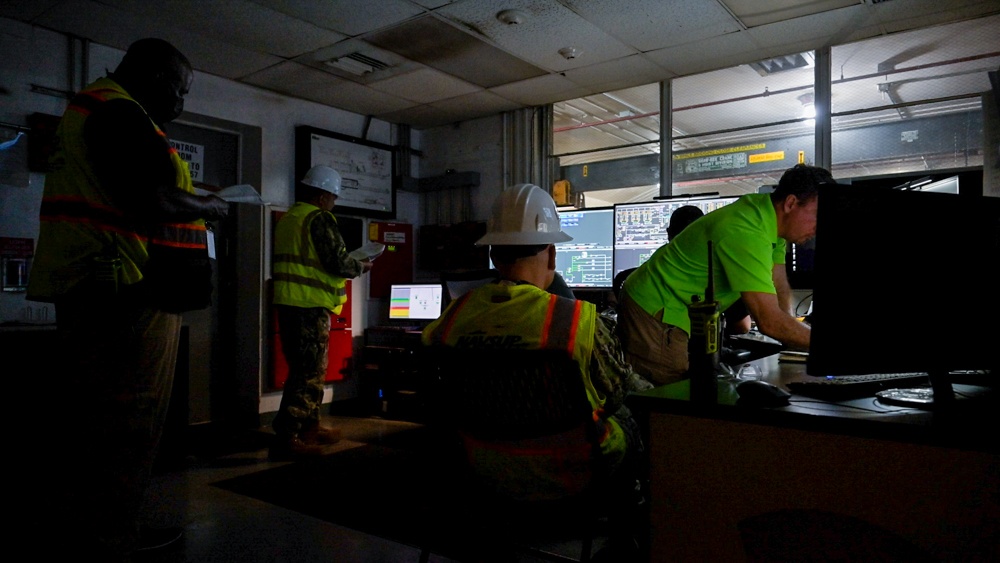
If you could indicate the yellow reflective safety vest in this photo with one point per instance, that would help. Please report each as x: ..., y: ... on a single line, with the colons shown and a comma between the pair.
x: 78, y: 221
x: 299, y: 277
x: 525, y: 317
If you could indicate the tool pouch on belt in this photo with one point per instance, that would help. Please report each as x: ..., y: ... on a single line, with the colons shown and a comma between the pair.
x: 177, y: 279
x: 176, y: 282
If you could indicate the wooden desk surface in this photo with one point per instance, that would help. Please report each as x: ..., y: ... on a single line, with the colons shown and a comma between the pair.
x: 975, y: 408
x: 930, y: 479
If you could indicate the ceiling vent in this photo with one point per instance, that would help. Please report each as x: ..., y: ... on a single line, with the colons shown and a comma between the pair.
x: 779, y: 64
x: 356, y: 64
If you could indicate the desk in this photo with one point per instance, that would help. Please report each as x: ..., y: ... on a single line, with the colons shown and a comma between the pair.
x: 931, y: 479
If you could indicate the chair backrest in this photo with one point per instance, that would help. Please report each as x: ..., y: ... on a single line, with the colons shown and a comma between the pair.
x: 516, y: 409
x: 619, y: 281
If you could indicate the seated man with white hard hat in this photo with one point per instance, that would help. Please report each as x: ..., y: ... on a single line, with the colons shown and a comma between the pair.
x: 516, y: 311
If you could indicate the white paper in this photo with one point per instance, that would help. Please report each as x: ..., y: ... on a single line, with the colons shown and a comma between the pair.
x: 368, y: 251
x: 240, y: 193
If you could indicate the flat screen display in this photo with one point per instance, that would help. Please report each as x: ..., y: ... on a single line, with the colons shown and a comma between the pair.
x: 641, y: 228
x: 414, y: 301
x: 905, y: 281
x: 588, y: 259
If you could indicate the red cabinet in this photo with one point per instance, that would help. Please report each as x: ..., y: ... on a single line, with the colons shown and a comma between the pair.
x: 341, y: 347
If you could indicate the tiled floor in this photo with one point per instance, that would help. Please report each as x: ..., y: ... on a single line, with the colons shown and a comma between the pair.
x: 222, y: 526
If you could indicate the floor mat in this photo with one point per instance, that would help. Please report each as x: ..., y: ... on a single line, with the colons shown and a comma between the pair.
x: 389, y: 492
x: 413, y: 497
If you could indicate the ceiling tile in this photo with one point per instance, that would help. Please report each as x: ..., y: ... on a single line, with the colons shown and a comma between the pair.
x: 425, y: 85
x: 476, y: 104
x: 548, y: 26
x: 105, y: 24
x: 900, y: 16
x: 808, y: 33
x: 715, y: 52
x: 628, y: 71
x: 216, y: 57
x: 439, y: 45
x: 349, y: 17
x: 25, y: 10
x: 301, y: 81
x: 761, y: 12
x: 118, y: 29
x: 654, y: 24
x: 541, y: 90
x: 418, y: 117
x: 239, y: 22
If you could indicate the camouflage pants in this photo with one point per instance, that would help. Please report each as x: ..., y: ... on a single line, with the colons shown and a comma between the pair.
x: 305, y: 339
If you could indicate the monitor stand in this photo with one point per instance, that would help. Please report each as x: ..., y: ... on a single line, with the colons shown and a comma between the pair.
x: 939, y: 394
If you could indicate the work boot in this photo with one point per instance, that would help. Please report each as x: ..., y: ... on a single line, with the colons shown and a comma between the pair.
x: 293, y: 447
x: 322, y: 435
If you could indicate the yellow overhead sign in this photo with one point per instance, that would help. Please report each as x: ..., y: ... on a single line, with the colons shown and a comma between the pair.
x: 767, y: 156
x: 712, y: 152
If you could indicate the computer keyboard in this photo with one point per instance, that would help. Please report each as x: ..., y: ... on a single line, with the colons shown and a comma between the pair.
x: 842, y: 387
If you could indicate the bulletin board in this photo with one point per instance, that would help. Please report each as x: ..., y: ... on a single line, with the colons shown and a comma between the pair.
x: 367, y: 170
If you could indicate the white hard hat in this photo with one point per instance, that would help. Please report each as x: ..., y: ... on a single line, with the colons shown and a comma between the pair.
x: 324, y: 178
x: 523, y: 214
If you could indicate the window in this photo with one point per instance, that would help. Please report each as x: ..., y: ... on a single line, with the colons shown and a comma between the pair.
x: 900, y: 103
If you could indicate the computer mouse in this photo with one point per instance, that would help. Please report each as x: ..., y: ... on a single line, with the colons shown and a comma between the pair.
x: 759, y: 393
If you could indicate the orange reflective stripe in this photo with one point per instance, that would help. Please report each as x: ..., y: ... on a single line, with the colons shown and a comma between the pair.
x: 180, y: 235
x: 547, y: 324
x: 561, y: 320
x: 448, y: 320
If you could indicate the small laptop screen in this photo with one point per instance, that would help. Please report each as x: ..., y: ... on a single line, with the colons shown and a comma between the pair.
x: 415, y: 301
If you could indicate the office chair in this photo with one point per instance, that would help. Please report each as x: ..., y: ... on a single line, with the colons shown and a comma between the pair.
x: 619, y: 281
x: 498, y: 404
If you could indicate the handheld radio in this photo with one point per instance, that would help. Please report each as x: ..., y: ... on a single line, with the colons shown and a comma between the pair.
x: 704, y: 344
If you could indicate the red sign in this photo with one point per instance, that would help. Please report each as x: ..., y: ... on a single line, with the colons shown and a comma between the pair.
x: 17, y: 247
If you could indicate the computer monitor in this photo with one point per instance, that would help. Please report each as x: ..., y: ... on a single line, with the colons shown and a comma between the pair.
x: 641, y: 228
x: 906, y: 281
x: 587, y: 260
x: 457, y: 284
x: 415, y: 301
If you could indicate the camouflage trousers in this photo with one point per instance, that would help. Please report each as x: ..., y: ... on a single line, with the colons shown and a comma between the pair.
x: 305, y: 340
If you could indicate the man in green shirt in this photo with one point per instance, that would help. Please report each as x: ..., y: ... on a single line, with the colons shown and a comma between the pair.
x: 748, y: 238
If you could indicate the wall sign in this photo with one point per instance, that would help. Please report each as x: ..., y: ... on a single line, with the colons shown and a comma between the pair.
x: 193, y: 154
x: 367, y: 170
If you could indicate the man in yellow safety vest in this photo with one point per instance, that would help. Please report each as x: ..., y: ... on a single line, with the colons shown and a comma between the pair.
x: 311, y: 267
x: 122, y: 251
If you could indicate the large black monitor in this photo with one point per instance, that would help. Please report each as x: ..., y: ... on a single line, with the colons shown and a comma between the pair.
x: 587, y: 260
x: 905, y: 281
x: 641, y: 228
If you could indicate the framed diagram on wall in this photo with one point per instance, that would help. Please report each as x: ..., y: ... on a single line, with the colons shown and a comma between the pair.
x: 367, y: 170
